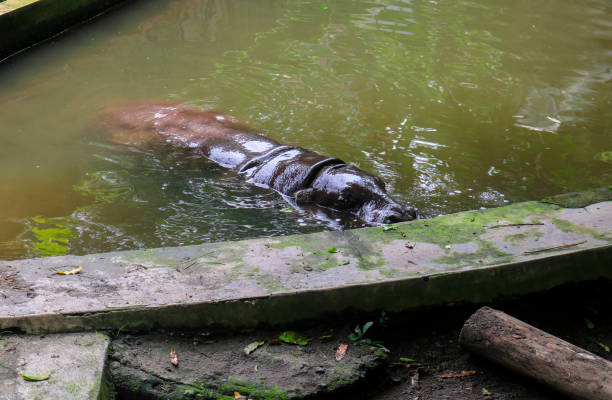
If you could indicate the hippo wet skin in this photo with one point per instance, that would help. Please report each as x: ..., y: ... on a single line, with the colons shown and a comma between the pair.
x: 305, y: 176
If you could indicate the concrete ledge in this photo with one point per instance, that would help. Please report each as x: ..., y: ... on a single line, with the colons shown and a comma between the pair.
x: 466, y: 257
x: 24, y: 23
x: 69, y: 366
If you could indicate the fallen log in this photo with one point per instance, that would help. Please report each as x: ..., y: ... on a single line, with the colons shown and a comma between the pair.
x: 529, y: 351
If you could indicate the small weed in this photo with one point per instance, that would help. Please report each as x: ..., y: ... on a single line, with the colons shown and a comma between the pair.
x: 360, y: 332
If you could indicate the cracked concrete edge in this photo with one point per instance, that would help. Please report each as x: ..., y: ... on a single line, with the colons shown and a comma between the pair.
x: 72, y: 366
x: 24, y: 23
x: 475, y: 285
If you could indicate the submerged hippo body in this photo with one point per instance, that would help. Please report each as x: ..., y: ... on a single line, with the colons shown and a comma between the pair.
x: 308, y: 178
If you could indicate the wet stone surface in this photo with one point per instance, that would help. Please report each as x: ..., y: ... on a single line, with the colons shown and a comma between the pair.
x: 216, y: 367
x: 45, y: 367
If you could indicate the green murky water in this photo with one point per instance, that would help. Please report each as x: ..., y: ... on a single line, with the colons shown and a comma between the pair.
x: 455, y: 104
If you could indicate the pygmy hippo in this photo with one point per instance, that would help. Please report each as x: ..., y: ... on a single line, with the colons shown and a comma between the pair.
x: 305, y: 176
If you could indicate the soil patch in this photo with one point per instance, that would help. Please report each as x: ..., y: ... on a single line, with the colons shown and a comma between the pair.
x: 411, y: 355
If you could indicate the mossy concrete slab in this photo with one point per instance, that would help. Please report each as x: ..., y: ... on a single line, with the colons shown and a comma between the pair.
x: 217, y: 367
x: 471, y: 256
x: 24, y: 23
x: 64, y: 366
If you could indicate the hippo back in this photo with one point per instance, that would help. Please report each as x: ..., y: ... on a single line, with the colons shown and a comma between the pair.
x: 286, y: 169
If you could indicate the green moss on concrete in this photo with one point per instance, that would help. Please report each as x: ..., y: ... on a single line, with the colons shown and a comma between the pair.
x: 580, y: 199
x: 151, y: 257
x: 517, y: 238
x: 464, y: 227
x: 225, y: 391
x: 569, y: 227
x: 254, y: 390
x: 130, y: 383
x: 105, y: 388
x: 290, y: 241
x: 370, y: 262
x: 366, y: 245
x: 389, y: 273
x: 487, y: 253
x: 271, y: 282
x: 341, y: 381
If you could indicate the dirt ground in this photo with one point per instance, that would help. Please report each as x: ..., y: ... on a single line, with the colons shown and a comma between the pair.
x: 431, y: 338
x: 577, y: 313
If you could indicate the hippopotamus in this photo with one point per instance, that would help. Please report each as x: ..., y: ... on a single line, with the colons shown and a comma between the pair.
x: 306, y: 177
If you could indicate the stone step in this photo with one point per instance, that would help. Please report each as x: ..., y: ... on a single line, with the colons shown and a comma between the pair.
x: 63, y: 366
x: 212, y: 367
x: 472, y: 256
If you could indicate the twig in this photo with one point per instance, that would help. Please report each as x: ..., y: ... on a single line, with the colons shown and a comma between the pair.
x: 506, y: 225
x: 136, y: 267
x: 555, y: 248
x: 189, y: 266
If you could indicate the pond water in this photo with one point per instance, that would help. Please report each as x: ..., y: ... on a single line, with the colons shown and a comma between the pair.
x: 455, y: 104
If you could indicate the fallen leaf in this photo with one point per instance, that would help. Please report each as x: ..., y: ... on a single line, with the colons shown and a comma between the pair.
x: 237, y: 395
x: 332, y: 250
x: 407, y: 360
x: 403, y: 234
x: 410, y: 245
x: 389, y: 227
x: 600, y: 344
x: 292, y: 337
x: 458, y: 374
x: 173, y: 358
x: 341, y: 352
x: 486, y: 392
x: 34, y: 378
x: 252, y: 347
x: 71, y: 272
x: 326, y: 338
x: 274, y: 342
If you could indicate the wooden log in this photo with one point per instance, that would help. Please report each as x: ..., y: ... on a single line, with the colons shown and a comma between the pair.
x: 529, y: 351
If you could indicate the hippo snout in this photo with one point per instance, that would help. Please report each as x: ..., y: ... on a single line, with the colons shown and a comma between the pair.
x: 386, y: 211
x: 399, y: 213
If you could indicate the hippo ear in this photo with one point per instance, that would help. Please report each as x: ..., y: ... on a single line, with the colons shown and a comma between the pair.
x: 304, y: 196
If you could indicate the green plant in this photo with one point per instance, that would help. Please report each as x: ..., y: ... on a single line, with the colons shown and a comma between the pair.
x: 360, y: 332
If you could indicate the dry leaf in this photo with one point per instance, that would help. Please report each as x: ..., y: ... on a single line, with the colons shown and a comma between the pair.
x: 252, y: 347
x: 341, y: 352
x: 71, y: 272
x: 458, y: 374
x: 410, y: 245
x: 173, y: 358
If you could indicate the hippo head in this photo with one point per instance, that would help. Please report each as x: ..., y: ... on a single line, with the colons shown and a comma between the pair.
x: 347, y: 188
